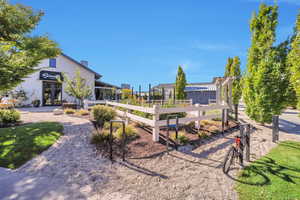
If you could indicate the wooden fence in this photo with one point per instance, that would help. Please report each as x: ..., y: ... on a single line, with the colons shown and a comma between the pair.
x: 196, y: 114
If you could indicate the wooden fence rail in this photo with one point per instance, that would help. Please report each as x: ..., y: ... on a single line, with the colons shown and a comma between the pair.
x: 196, y: 114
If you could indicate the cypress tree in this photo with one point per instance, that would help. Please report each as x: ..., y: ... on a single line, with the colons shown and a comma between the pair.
x: 294, y: 60
x: 180, y: 84
x: 228, y: 67
x: 235, y: 71
x: 262, y: 92
x: 288, y: 94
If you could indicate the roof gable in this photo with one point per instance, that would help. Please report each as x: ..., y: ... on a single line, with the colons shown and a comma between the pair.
x: 97, y: 76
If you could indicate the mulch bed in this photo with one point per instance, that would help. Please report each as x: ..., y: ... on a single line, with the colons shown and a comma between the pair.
x: 192, y: 133
x: 143, y: 147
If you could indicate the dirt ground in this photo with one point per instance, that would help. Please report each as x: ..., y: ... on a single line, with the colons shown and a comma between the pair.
x: 191, y: 175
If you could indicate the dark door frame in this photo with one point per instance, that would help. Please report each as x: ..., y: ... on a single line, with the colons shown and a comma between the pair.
x: 52, y: 92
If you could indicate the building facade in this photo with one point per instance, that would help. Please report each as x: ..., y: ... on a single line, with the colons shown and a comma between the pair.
x: 44, y: 84
x: 201, y: 93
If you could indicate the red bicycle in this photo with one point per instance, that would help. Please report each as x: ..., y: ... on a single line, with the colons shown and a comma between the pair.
x: 234, y: 154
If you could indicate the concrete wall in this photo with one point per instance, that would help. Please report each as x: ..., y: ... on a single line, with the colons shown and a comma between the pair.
x: 33, y: 86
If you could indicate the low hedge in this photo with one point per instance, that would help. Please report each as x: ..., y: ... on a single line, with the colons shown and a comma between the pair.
x: 8, y: 116
x: 102, y: 114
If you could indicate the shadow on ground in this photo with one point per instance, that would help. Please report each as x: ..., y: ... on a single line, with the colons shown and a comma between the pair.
x: 260, y: 171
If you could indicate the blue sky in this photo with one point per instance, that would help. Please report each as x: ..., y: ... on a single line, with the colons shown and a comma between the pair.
x: 142, y: 42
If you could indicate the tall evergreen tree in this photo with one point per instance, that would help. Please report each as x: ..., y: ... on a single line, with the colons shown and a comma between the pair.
x: 180, y: 84
x: 19, y: 52
x: 235, y: 71
x: 294, y: 60
x: 228, y: 67
x: 288, y: 94
x: 262, y: 83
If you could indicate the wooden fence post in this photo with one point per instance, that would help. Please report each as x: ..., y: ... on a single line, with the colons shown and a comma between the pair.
x: 197, y: 123
x: 223, y: 121
x: 155, y: 129
x: 85, y: 104
x: 275, y: 131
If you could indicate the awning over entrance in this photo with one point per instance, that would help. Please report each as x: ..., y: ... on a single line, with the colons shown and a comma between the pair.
x: 106, y: 91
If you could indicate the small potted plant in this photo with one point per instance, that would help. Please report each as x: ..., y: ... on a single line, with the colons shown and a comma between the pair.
x: 36, y: 103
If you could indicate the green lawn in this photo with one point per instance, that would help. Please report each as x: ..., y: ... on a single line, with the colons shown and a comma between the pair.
x: 20, y: 144
x: 274, y: 176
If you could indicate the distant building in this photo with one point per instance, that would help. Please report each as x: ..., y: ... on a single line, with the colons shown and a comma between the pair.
x: 125, y: 86
x: 202, y: 93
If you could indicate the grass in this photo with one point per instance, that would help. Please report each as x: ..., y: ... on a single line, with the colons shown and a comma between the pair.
x: 22, y: 143
x: 274, y: 176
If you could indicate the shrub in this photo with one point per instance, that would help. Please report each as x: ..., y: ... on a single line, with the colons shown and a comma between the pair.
x: 142, y: 114
x: 180, y: 115
x: 182, y: 138
x: 213, y: 129
x: 217, y: 119
x: 129, y: 131
x: 8, y: 116
x: 115, y: 126
x: 99, y: 138
x: 69, y: 111
x: 203, y: 134
x: 103, y: 114
x: 204, y: 122
x: 82, y: 112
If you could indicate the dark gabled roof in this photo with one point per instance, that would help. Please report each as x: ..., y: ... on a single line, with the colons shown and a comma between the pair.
x: 103, y: 84
x: 171, y: 85
x: 97, y: 76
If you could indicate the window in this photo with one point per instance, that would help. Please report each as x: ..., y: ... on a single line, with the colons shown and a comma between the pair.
x: 52, y: 62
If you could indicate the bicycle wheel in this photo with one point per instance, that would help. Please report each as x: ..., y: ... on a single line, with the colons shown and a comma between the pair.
x: 228, y: 160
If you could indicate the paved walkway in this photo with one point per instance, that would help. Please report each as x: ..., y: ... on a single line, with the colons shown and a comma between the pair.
x: 289, y: 122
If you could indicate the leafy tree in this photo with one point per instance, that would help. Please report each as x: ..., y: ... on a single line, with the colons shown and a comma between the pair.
x: 228, y: 67
x: 77, y: 87
x: 19, y: 52
x: 294, y: 60
x: 180, y: 84
x: 262, y: 83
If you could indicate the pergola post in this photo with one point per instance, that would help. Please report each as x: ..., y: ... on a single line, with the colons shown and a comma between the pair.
x: 218, y: 92
x: 155, y: 129
x: 197, y: 123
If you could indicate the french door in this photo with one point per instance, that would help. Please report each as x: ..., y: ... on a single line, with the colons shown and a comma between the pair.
x: 52, y: 93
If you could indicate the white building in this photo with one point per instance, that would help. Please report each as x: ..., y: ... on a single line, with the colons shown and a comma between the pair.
x: 43, y: 85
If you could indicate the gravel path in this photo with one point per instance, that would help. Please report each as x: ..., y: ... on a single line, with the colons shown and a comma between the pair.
x: 70, y: 169
x: 193, y: 175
